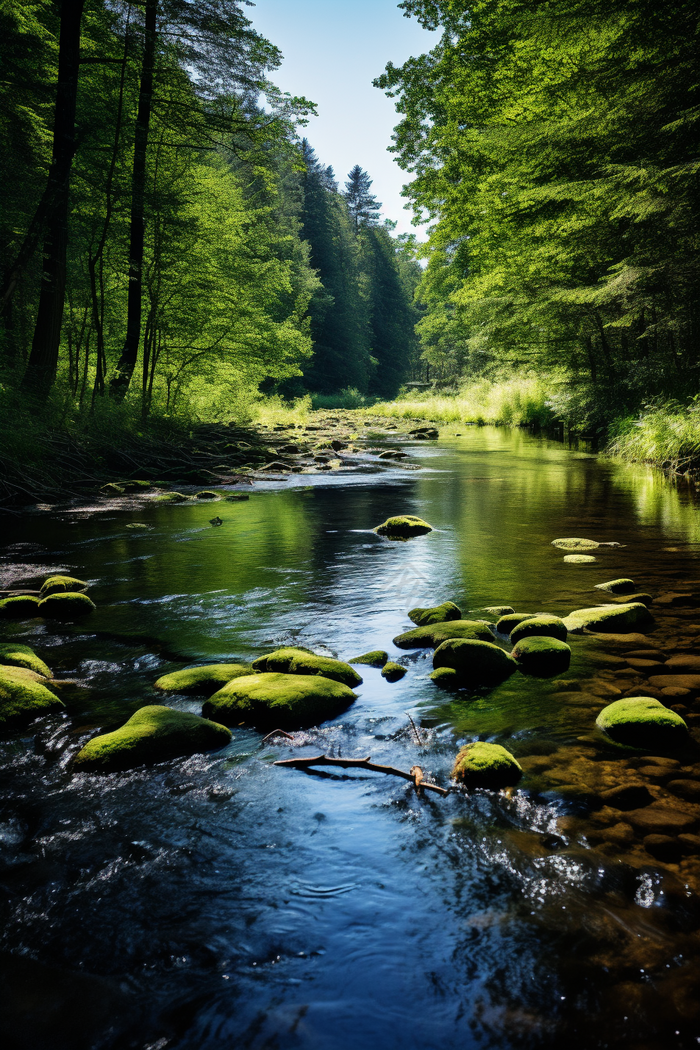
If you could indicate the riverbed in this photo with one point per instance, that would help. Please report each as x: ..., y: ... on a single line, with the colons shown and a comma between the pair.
x: 221, y: 901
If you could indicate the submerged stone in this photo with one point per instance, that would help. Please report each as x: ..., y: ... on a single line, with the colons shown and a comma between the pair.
x: 17, y: 655
x: 544, y: 626
x: 403, y: 526
x: 575, y: 544
x: 476, y: 662
x: 436, y: 614
x: 542, y: 657
x: 299, y: 661
x: 608, y: 617
x: 392, y: 671
x: 61, y: 585
x: 172, y: 497
x: 21, y: 607
x: 629, y: 599
x: 484, y: 765
x: 152, y: 734
x: 511, y: 620
x: 622, y: 586
x: 207, y: 494
x: 136, y: 486
x: 498, y: 610
x: 579, y: 559
x: 377, y: 658
x: 200, y: 681
x: 112, y: 489
x: 432, y: 636
x: 279, y: 700
x: 642, y: 722
x: 234, y: 497
x: 24, y: 695
x: 65, y: 606
x: 446, y: 678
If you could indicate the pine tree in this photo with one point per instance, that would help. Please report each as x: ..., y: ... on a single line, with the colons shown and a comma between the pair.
x: 363, y: 206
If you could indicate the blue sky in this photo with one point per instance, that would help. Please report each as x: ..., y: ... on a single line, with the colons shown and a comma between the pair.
x: 332, y: 51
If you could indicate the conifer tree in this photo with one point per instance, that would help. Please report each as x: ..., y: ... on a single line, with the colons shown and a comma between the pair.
x: 363, y: 206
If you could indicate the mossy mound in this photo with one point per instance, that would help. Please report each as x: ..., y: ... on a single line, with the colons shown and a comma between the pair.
x: 573, y: 543
x: 609, y: 617
x: 542, y: 657
x: 446, y: 678
x: 579, y: 559
x: 507, y: 623
x: 24, y: 695
x: 207, y: 494
x: 621, y: 586
x: 498, y: 610
x: 392, y: 671
x: 629, y: 599
x: 61, y: 585
x: 21, y: 607
x: 432, y: 636
x: 641, y: 721
x: 477, y: 663
x: 437, y: 614
x: 152, y: 734
x: 377, y: 658
x: 172, y: 497
x: 136, y: 486
x: 279, y: 700
x: 17, y: 655
x: 544, y: 626
x: 483, y: 765
x: 403, y: 526
x: 297, y: 661
x: 112, y: 489
x: 200, y: 681
x: 65, y: 606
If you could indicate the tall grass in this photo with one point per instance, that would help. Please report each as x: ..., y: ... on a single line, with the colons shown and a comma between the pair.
x: 520, y: 401
x: 666, y: 433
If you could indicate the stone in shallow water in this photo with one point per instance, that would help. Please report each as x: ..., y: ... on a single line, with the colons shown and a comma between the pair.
x: 17, y: 655
x: 436, y: 614
x: 376, y: 658
x: 284, y: 701
x: 663, y: 848
x: 544, y: 625
x: 476, y: 662
x: 622, y: 586
x: 506, y: 623
x: 446, y: 678
x: 24, y: 695
x: 579, y: 559
x: 642, y: 722
x: 65, y: 606
x: 608, y: 617
x: 432, y: 636
x: 573, y: 543
x: 200, y: 681
x: 403, y: 526
x: 61, y: 584
x: 542, y: 657
x: 21, y: 607
x: 393, y: 672
x: 298, y: 661
x: 687, y: 789
x: 484, y: 765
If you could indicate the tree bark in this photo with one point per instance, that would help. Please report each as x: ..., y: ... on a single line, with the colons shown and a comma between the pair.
x: 43, y: 359
x: 127, y: 362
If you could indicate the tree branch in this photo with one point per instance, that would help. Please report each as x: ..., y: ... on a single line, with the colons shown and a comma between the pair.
x: 415, y: 776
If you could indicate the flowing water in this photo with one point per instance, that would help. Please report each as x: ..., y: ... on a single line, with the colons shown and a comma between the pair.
x: 221, y: 901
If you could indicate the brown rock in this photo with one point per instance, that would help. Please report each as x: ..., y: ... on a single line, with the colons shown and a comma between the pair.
x: 647, y: 666
x: 687, y: 789
x: 597, y: 687
x: 629, y: 641
x: 684, y: 663
x: 660, y: 819
x: 646, y: 654
x: 621, y: 834
x: 674, y: 691
x: 628, y: 796
x: 664, y: 848
x: 642, y: 690
x: 682, y: 681
x: 691, y: 843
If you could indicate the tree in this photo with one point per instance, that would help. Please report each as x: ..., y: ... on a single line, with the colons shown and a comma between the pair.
x: 363, y: 206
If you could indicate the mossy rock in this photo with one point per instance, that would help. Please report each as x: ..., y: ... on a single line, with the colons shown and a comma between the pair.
x: 377, y: 658
x: 61, y: 585
x: 172, y: 497
x: 112, y: 489
x: 200, y: 681
x: 575, y: 544
x: 507, y: 623
x: 629, y: 599
x: 236, y: 497
x: 437, y: 614
x: 298, y: 661
x: 621, y: 586
x: 207, y: 494
x: 432, y: 636
x: 483, y: 765
x: 24, y: 695
x: 21, y: 607
x: 446, y: 678
x: 65, y: 606
x: 152, y: 734
x: 542, y: 657
x: 642, y: 722
x: 403, y: 527
x: 579, y: 559
x: 545, y: 626
x: 284, y: 701
x: 476, y: 662
x: 609, y: 618
x: 136, y: 486
x: 392, y: 671
x: 17, y: 655
x: 498, y: 610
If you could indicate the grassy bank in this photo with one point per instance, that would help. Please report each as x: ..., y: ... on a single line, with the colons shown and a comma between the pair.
x: 666, y: 435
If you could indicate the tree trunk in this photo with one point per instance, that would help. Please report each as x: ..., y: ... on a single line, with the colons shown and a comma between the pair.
x: 127, y: 362
x: 43, y: 359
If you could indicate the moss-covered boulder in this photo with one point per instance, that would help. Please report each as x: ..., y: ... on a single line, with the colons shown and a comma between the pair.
x: 498, y: 610
x: 614, y: 618
x: 506, y: 623
x: 392, y: 671
x: 432, y: 636
x: 579, y: 559
x: 575, y: 544
x: 17, y: 655
x: 20, y: 607
x: 483, y: 765
x: 152, y: 734
x: 61, y: 585
x: 377, y: 658
x: 477, y: 663
x: 437, y: 614
x: 446, y: 678
x: 542, y: 657
x: 138, y: 485
x: 65, y: 606
x: 403, y: 527
x: 207, y: 494
x: 642, y: 722
x: 24, y: 695
x: 298, y: 661
x: 284, y: 701
x: 629, y: 599
x: 545, y: 626
x: 172, y: 497
x: 112, y: 489
x: 200, y: 681
x: 622, y: 586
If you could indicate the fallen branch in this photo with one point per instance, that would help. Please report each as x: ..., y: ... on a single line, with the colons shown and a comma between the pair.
x: 277, y: 732
x: 415, y: 776
x: 413, y: 727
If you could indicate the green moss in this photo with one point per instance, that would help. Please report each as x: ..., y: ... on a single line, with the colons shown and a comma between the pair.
x: 61, y: 585
x: 483, y: 765
x: 629, y: 599
x: 200, y: 681
x: 234, y: 497
x: 17, y: 655
x: 477, y: 663
x: 207, y: 494
x: 172, y: 497
x: 24, y: 695
x: 279, y: 700
x: 542, y: 657
x: 299, y: 661
x: 622, y: 586
x: 112, y: 489
x: 437, y: 614
x: 498, y: 610
x: 392, y: 671
x: 544, y: 626
x: 574, y: 544
x: 403, y: 527
x: 377, y: 658
x: 446, y: 678
x: 152, y: 734
x: 136, y: 486
x: 432, y: 636
x: 506, y: 623
x: 65, y: 606
x: 22, y: 607
x: 580, y: 559
x: 641, y: 721
x: 609, y: 617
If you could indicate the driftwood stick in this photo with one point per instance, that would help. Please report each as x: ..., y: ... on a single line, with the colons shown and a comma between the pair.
x: 415, y: 730
x: 277, y: 732
x: 415, y: 776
